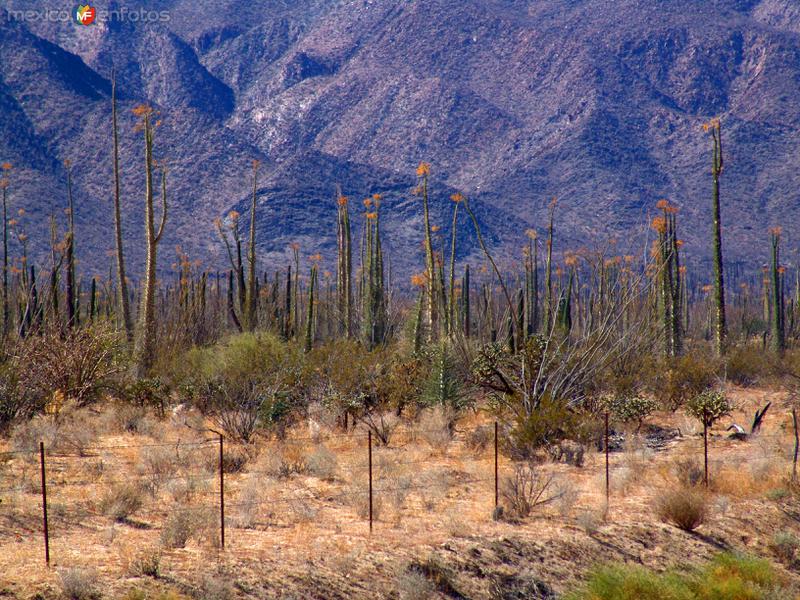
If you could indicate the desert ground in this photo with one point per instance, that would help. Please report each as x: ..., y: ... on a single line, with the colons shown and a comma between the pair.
x: 134, y: 508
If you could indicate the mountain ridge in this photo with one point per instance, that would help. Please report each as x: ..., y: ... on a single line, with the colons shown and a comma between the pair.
x: 597, y: 103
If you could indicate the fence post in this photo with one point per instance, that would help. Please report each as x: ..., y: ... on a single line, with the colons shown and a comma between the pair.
x: 369, y: 450
x: 496, y: 481
x: 608, y: 472
x: 221, y: 495
x: 796, y: 444
x: 44, y: 507
x: 705, y: 448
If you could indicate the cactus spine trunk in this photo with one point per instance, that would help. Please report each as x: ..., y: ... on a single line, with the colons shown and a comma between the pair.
x: 145, y: 343
x: 123, y: 300
x: 720, y: 330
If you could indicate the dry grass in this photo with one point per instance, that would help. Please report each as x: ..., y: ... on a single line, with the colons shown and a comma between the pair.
x: 304, y: 500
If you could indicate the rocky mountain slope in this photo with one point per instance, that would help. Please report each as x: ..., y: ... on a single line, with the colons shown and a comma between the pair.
x: 513, y: 102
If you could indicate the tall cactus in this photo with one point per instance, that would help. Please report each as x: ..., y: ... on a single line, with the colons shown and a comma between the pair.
x: 344, y: 272
x: 145, y: 338
x: 717, y: 165
x: 72, y: 298
x: 669, y: 275
x: 457, y: 198
x: 423, y: 172
x: 465, y: 304
x: 777, y: 328
x: 251, y: 293
x: 374, y: 294
x: 531, y: 324
x: 548, y: 282
x: 6, y: 309
x: 123, y: 300
x: 311, y: 312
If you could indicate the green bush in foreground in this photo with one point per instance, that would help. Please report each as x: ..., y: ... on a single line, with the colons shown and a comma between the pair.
x: 726, y: 577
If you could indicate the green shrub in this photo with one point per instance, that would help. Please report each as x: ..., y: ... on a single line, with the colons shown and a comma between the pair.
x: 677, y: 380
x: 629, y: 408
x: 726, y: 577
x: 709, y: 406
x: 546, y: 426
x: 746, y: 365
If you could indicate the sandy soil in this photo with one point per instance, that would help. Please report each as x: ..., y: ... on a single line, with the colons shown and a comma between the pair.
x: 306, y: 535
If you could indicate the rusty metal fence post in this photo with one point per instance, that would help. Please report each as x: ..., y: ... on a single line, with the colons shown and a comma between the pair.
x: 44, y: 507
x: 608, y: 470
x: 369, y: 451
x: 496, y: 480
x: 221, y: 494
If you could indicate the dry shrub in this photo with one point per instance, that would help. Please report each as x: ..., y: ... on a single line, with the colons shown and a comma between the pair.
x: 70, y: 432
x: 187, y: 488
x: 479, y: 439
x: 282, y: 462
x: 688, y: 472
x: 145, y: 563
x: 566, y: 496
x: 157, y: 466
x: 252, y: 496
x: 215, y: 587
x: 80, y: 584
x: 398, y: 493
x: 746, y: 365
x: 126, y: 418
x: 677, y: 380
x: 685, y: 508
x: 322, y: 463
x: 413, y: 585
x: 234, y: 459
x: 635, y: 464
x: 591, y: 520
x: 433, y: 487
x: 762, y: 476
x: 525, y: 490
x: 436, y: 428
x: 303, y: 511
x: 78, y: 364
x: 189, y: 523
x: 121, y: 501
x: 358, y: 498
x: 786, y: 547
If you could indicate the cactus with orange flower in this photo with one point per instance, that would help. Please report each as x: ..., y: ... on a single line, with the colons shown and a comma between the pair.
x: 373, y: 297
x: 457, y: 198
x: 777, y: 323
x: 423, y: 172
x: 669, y: 277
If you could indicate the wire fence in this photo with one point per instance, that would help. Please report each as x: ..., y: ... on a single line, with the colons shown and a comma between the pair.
x: 117, y: 481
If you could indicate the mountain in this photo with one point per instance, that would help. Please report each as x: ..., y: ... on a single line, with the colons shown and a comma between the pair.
x: 597, y: 102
